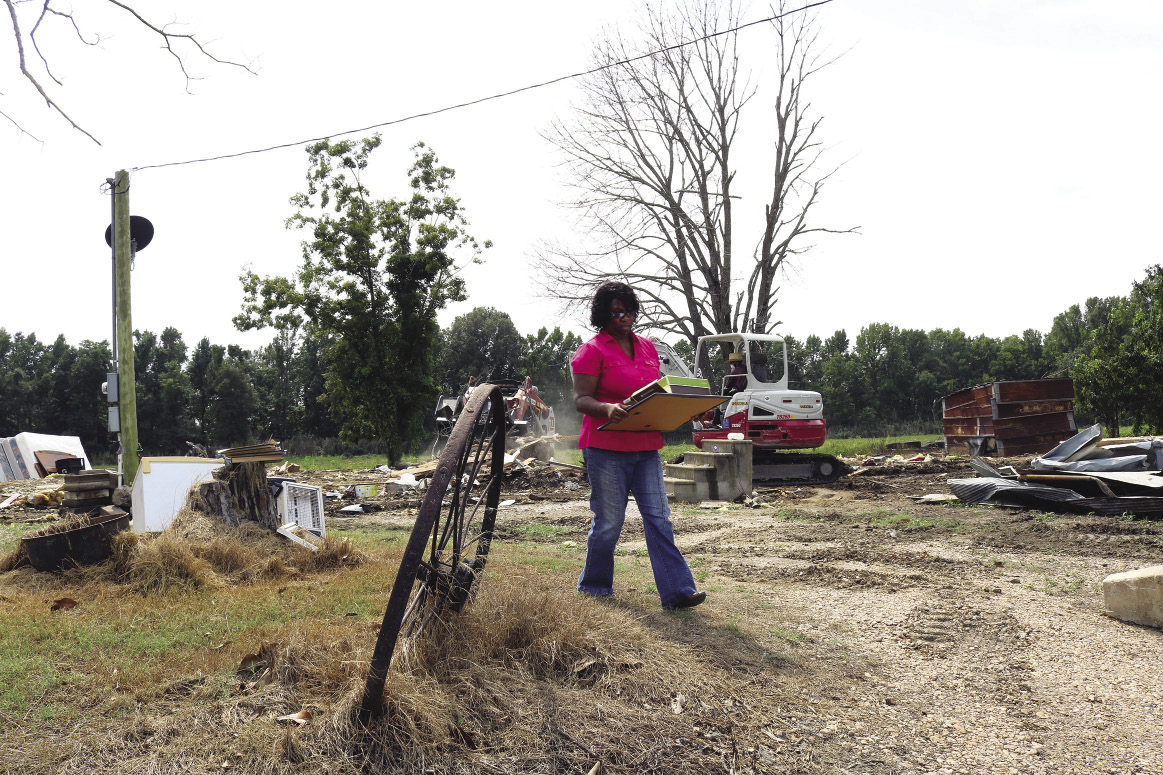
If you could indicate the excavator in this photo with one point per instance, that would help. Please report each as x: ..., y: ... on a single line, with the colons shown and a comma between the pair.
x: 526, y: 414
x: 760, y: 407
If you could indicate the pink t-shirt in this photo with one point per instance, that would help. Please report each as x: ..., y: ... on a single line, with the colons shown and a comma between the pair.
x: 618, y: 377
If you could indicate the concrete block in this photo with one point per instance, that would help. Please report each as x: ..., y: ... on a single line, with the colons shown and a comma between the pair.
x: 686, y: 490
x: 724, y: 467
x: 1135, y: 596
x: 704, y: 476
x: 743, y: 474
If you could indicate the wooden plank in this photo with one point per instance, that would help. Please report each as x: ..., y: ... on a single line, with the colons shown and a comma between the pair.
x: 1115, y: 440
x: 970, y: 410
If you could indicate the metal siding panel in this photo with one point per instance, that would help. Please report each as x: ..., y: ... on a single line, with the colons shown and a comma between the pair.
x: 1035, y: 425
x: 1033, y: 390
x: 1031, y: 445
x: 968, y: 426
x: 1023, y: 408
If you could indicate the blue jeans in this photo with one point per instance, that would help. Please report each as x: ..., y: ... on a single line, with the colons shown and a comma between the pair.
x: 613, y: 476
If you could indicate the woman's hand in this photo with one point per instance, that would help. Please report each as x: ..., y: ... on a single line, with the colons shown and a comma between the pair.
x: 616, y: 412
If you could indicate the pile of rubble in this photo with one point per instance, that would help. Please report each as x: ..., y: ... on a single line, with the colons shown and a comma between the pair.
x: 1084, y: 474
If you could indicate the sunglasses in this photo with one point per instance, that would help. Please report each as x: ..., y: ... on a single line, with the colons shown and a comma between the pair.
x: 620, y: 315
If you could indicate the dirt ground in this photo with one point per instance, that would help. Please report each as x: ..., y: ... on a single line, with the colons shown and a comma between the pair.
x: 944, y: 638
x: 938, y: 638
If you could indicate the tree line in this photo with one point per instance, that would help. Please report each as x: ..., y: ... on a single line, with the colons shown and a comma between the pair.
x: 888, y: 380
x: 892, y: 378
x: 224, y: 395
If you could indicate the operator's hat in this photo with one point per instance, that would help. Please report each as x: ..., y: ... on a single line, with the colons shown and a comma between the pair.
x: 735, y: 358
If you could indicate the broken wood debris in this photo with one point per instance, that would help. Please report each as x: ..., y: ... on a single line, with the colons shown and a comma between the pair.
x: 267, y: 452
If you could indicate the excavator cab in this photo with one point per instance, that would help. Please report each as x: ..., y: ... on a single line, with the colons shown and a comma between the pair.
x: 765, y: 411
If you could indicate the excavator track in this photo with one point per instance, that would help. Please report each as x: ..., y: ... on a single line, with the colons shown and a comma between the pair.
x: 774, y: 469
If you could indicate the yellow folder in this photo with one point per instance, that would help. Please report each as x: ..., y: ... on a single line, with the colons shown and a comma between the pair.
x: 663, y: 412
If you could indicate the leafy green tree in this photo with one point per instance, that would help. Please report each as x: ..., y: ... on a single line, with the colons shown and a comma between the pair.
x: 176, y: 426
x: 24, y: 382
x: 796, y: 361
x: 880, y: 355
x: 841, y: 390
x: 279, y: 394
x: 1147, y: 351
x: 55, y: 367
x: 201, y: 372
x: 374, y: 275
x: 84, y: 406
x: 1020, y: 357
x: 983, y: 352
x: 546, y: 360
x: 808, y: 371
x: 163, y: 392
x: 482, y: 343
x: 1107, y: 365
x: 309, y: 370
x: 916, y: 381
x: 234, y: 402
x: 1065, y: 342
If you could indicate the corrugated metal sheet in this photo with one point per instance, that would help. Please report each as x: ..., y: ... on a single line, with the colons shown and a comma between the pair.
x: 1007, y: 492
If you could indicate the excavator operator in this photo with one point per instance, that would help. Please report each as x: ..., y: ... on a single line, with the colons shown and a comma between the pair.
x: 736, y: 378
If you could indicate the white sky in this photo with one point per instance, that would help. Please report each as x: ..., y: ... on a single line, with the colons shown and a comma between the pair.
x: 1002, y: 156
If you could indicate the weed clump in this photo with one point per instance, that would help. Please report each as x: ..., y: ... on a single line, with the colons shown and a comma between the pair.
x: 197, y: 553
x: 163, y: 564
x: 17, y: 558
x: 524, y: 669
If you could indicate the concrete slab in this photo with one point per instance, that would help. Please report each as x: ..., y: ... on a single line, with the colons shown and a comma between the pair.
x: 1135, y: 596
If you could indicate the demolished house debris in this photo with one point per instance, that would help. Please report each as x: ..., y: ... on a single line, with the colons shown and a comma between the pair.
x: 1084, y: 474
x: 36, y: 455
x: 1020, y: 417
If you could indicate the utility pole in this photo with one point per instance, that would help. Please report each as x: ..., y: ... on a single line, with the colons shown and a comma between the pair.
x: 126, y: 375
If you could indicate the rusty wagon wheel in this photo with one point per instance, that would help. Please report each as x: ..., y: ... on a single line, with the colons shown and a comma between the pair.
x: 449, y: 545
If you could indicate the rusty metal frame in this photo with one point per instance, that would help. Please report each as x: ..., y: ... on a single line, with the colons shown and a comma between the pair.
x: 460, y: 464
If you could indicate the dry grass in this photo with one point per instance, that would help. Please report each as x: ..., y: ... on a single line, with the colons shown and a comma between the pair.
x: 526, y: 680
x: 530, y: 678
x: 17, y: 558
x: 197, y: 552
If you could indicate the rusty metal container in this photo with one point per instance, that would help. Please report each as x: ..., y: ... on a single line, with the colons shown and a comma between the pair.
x: 87, y: 543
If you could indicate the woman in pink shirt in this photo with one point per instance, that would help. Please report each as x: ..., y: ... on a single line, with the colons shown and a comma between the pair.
x: 606, y: 370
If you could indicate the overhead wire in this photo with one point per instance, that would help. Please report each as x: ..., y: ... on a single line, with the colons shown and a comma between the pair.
x: 480, y: 100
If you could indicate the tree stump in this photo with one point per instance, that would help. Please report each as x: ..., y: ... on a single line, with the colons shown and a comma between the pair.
x: 238, y: 492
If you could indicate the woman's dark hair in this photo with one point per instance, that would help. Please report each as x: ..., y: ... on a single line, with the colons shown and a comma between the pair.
x: 604, y: 296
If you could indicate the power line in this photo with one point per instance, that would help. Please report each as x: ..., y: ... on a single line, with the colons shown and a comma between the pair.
x: 470, y: 103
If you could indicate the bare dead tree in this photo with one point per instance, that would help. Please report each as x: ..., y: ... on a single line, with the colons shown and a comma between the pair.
x: 650, y: 155
x: 176, y: 44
